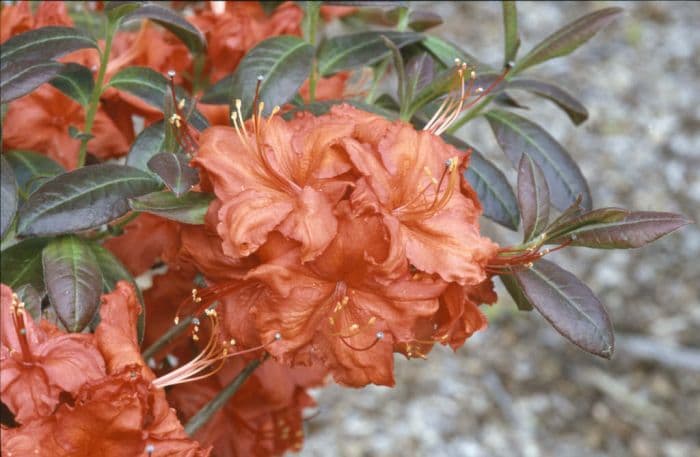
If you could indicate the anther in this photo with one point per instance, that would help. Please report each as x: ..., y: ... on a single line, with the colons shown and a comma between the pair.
x: 260, y: 77
x: 510, y: 64
x: 195, y: 322
x: 278, y: 336
x: 150, y: 449
x: 379, y: 335
x: 171, y: 74
x: 181, y: 104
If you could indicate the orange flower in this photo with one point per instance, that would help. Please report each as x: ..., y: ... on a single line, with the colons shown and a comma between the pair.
x: 124, y: 413
x: 18, y: 18
x: 39, y: 362
x: 39, y: 122
x: 264, y: 418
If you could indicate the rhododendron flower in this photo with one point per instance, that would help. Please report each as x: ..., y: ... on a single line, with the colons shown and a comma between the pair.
x: 39, y: 361
x: 18, y: 18
x: 264, y: 418
x: 366, y: 233
x: 121, y: 413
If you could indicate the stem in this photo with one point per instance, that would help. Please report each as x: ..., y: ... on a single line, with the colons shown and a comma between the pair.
x: 96, y: 92
x: 204, y: 414
x: 166, y: 338
x: 114, y: 230
x: 312, y: 14
x: 471, y: 114
x: 378, y: 75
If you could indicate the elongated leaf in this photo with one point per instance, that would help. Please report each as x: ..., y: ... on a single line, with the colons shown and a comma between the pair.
x: 43, y: 44
x: 21, y: 264
x: 186, y: 32
x: 30, y: 168
x: 189, y: 209
x: 73, y: 281
x: 283, y: 63
x: 446, y: 52
x: 112, y: 272
x: 533, y: 198
x: 175, y: 171
x: 400, y: 68
x: 117, y: 9
x: 568, y: 38
x: 83, y: 199
x: 572, y: 107
x: 420, y: 71
x: 31, y: 298
x: 495, y: 194
x: 359, y: 49
x: 147, y: 144
x: 152, y: 87
x: 517, y: 135
x: 570, y: 306
x: 515, y: 290
x: 20, y: 77
x: 420, y: 21
x: 75, y: 81
x: 8, y: 195
x: 510, y: 28
x: 616, y: 228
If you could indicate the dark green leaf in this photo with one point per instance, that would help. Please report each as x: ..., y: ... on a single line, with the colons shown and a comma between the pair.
x: 189, y: 209
x: 420, y: 71
x: 31, y: 298
x: 400, y: 71
x: 420, y: 21
x: 147, y: 144
x: 83, y: 199
x: 570, y: 306
x: 112, y: 272
x: 568, y: 38
x: 30, y: 168
x: 8, y: 195
x: 533, y: 198
x: 21, y: 264
x: 283, y: 63
x: 510, y: 28
x: 117, y: 9
x: 20, y: 77
x: 437, y: 87
x: 175, y: 171
x: 446, y: 52
x: 75, y: 81
x: 322, y: 107
x: 516, y: 135
x: 73, y: 281
x: 515, y: 290
x: 186, y: 32
x: 616, y: 228
x: 346, y: 52
x: 491, y: 185
x: 573, y: 108
x: 43, y: 44
x: 152, y: 87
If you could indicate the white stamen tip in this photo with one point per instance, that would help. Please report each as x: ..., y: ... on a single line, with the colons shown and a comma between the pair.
x: 171, y: 73
x: 278, y: 336
x: 260, y: 77
x: 195, y: 321
x: 150, y: 448
x: 379, y: 335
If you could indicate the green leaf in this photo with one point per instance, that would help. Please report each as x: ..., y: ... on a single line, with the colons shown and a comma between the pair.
x: 73, y: 281
x: 516, y: 136
x: 510, y: 28
x: 8, y: 195
x: 420, y: 71
x: 152, y: 87
x: 495, y: 194
x: 83, y: 199
x: 31, y: 298
x: 322, y: 107
x: 43, y: 44
x: 20, y: 77
x: 572, y: 107
x: 446, y: 52
x: 147, y: 144
x: 30, y: 168
x: 75, y: 81
x: 20, y: 264
x: 570, y: 306
x: 176, y: 24
x: 568, y: 38
x: 616, y: 228
x: 175, y: 171
x: 189, y: 209
x: 402, y: 88
x: 112, y: 272
x: 346, y: 52
x: 283, y: 62
x: 117, y: 9
x: 533, y: 198
x: 420, y: 21
x: 515, y: 290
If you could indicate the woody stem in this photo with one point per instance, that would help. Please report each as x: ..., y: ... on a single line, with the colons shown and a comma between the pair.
x: 310, y: 29
x: 208, y: 410
x: 96, y: 92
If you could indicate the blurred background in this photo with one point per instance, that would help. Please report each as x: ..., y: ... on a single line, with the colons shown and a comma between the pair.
x: 518, y: 388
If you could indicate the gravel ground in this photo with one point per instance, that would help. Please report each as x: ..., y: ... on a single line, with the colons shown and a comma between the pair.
x: 518, y: 388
